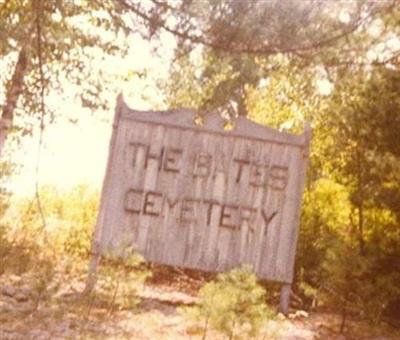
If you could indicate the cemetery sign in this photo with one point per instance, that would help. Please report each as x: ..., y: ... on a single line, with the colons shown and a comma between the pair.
x: 202, y: 197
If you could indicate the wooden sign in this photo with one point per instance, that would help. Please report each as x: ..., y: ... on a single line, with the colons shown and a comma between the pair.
x: 200, y: 196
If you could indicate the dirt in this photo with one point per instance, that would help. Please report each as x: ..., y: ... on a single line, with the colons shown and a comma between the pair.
x: 62, y: 313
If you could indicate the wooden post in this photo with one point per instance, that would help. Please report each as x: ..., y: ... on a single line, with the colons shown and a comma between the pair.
x: 96, y: 246
x: 93, y: 264
x: 285, y: 299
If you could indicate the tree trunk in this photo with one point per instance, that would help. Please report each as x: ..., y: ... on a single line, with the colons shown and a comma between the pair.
x: 13, y: 93
x: 360, y: 203
x: 344, y: 315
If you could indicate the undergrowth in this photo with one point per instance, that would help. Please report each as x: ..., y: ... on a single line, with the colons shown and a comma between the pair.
x: 39, y: 250
x: 234, y: 304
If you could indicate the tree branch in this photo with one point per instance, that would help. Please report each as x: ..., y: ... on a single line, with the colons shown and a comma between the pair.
x: 13, y: 93
x: 331, y: 38
x: 39, y: 14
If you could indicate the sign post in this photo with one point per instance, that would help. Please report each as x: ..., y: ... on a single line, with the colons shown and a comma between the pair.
x: 202, y: 197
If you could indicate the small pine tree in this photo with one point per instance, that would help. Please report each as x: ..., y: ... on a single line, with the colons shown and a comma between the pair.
x: 233, y: 304
x: 345, y: 270
x: 120, y: 276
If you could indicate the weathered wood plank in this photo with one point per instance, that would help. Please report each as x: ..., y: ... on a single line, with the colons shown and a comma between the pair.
x: 184, y: 118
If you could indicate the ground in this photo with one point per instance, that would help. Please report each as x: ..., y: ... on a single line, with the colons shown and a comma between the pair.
x: 62, y: 313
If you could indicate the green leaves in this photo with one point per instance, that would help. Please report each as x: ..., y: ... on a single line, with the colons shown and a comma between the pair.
x: 234, y: 304
x: 72, y: 34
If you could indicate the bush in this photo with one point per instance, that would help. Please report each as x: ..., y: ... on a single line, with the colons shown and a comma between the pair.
x: 120, y: 276
x: 69, y: 219
x: 233, y: 304
x: 16, y: 252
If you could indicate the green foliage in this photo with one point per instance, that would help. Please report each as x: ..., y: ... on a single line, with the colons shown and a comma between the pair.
x: 345, y: 273
x: 72, y: 34
x: 20, y: 254
x: 5, y: 171
x: 353, y: 282
x: 213, y: 81
x: 120, y: 275
x: 16, y: 252
x: 28, y: 247
x: 285, y: 96
x: 233, y: 304
x: 31, y: 249
x: 43, y: 271
x: 325, y: 213
x: 268, y: 28
x: 368, y: 137
x: 69, y: 218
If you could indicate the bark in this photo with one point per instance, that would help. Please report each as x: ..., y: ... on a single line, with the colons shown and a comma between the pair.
x: 344, y: 316
x: 360, y: 204
x: 12, y: 96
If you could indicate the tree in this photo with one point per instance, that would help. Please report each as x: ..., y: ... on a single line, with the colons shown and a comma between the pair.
x: 258, y: 27
x: 358, y: 141
x: 51, y: 41
x: 56, y: 39
x: 243, y: 44
x: 234, y: 304
x: 361, y: 116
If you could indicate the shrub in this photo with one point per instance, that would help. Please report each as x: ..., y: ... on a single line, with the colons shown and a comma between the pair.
x: 120, y: 275
x: 70, y: 217
x: 233, y: 304
x: 16, y: 251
